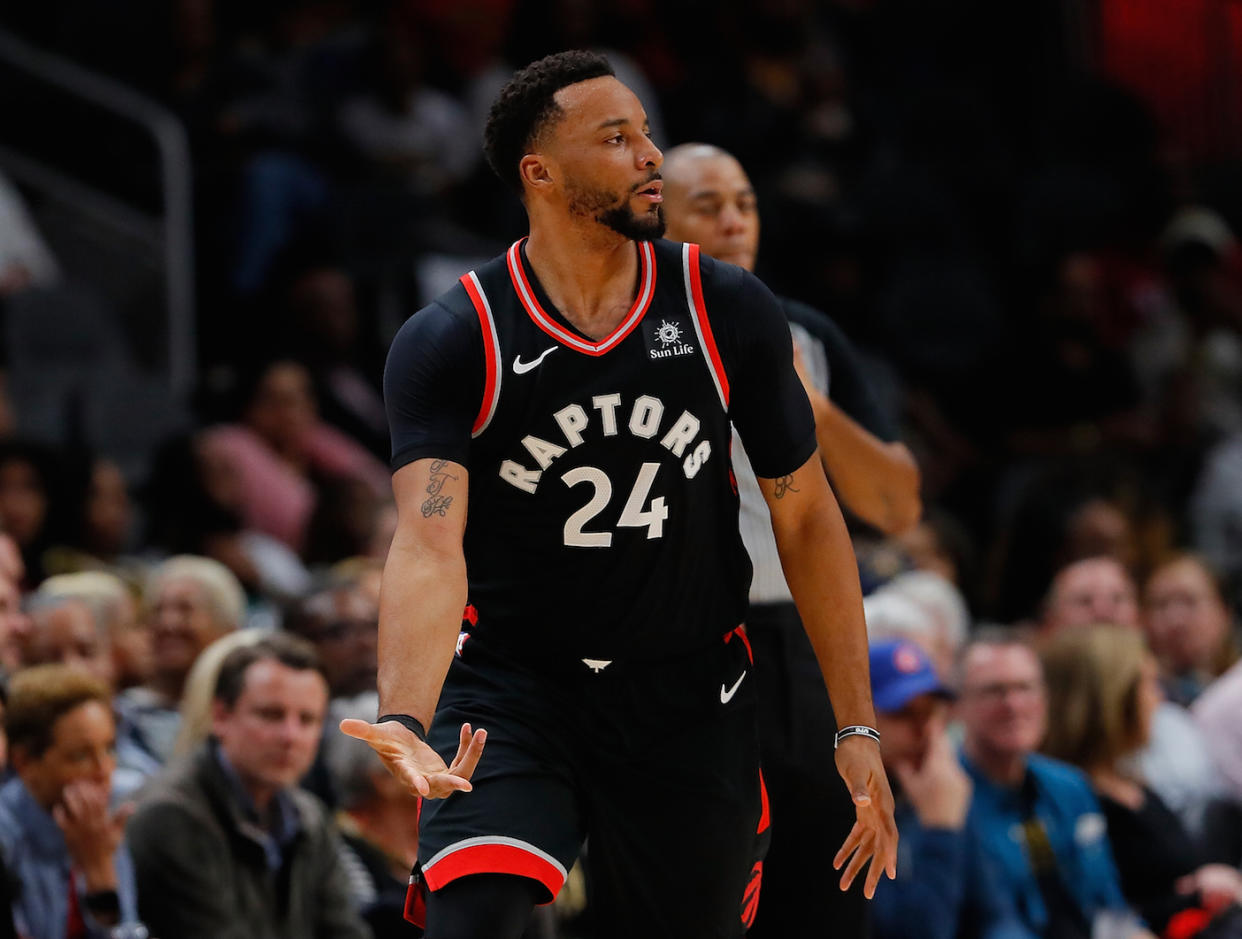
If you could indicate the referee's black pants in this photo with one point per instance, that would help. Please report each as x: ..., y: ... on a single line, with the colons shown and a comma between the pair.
x: 811, y: 809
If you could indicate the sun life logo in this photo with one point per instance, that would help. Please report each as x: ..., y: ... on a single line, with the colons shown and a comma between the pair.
x: 668, y: 333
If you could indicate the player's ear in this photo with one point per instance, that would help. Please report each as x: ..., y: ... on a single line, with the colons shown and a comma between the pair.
x: 535, y: 170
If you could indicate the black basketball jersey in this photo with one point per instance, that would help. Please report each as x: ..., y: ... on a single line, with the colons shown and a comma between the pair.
x: 602, y: 521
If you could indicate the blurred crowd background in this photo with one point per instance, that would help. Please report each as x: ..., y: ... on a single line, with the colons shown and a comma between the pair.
x: 215, y: 214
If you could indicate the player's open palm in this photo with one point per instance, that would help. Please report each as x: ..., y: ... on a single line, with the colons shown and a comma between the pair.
x: 874, y: 836
x: 417, y: 765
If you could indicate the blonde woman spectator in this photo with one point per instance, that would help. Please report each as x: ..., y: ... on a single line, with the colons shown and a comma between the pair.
x: 1103, y: 692
x: 1175, y: 762
x: 1189, y: 626
x: 191, y: 602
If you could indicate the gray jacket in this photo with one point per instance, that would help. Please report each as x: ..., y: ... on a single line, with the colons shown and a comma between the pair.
x: 203, y: 867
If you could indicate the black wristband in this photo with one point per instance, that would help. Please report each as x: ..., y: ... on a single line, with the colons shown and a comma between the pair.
x: 102, y: 902
x: 412, y: 724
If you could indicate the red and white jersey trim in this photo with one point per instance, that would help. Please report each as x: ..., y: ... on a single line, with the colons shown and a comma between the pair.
x: 494, y: 854
x: 558, y: 332
x: 702, y: 327
x: 491, y: 353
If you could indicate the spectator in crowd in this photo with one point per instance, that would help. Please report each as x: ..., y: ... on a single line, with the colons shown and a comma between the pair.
x: 1216, y: 714
x: 14, y: 622
x: 1093, y: 590
x: 195, y: 503
x: 116, y: 609
x: 26, y: 484
x: 212, y: 837
x: 378, y: 819
x: 281, y: 448
x: 59, y: 838
x: 65, y: 629
x: 945, y: 886
x: 98, y: 518
x: 1189, y: 626
x: 1175, y: 761
x: 342, y: 622
x: 1059, y: 869
x: 200, y: 689
x: 924, y: 608
x: 191, y: 601
x: 1103, y: 691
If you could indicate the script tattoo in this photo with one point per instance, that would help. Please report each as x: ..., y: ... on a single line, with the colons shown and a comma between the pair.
x: 784, y: 485
x: 436, y: 503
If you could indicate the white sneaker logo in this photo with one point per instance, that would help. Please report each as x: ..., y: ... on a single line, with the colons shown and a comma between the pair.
x: 521, y: 368
x: 727, y: 696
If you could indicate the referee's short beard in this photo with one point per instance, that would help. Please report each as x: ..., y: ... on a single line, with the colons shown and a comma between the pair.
x: 608, y: 211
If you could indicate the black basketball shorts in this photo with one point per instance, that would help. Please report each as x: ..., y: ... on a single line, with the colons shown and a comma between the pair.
x: 655, y: 765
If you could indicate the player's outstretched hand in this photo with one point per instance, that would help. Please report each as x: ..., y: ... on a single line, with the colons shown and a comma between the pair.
x: 416, y: 764
x: 874, y: 836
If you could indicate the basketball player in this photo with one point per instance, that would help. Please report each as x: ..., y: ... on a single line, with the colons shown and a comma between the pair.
x: 578, y: 392
x: 708, y: 199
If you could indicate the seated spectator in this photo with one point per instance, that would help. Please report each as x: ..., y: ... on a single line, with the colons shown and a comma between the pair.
x: 58, y: 837
x: 210, y: 838
x: 378, y: 819
x: 279, y: 450
x: 191, y: 601
x: 1103, y: 690
x: 1175, y: 762
x: 14, y: 623
x: 1189, y: 626
x: 342, y: 622
x: 924, y: 608
x: 65, y: 629
x: 98, y: 519
x: 27, y: 478
x: 117, y: 610
x: 195, y: 505
x: 200, y: 689
x: 1216, y: 714
x: 1037, y: 818
x: 944, y: 887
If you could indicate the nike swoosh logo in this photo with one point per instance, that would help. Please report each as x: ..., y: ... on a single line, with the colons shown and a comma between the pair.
x: 521, y: 368
x: 727, y: 696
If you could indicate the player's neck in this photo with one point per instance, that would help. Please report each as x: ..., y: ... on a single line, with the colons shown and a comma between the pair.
x: 589, y: 274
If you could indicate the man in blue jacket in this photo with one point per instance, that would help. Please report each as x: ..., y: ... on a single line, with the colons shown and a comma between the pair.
x: 945, y: 888
x: 1040, y: 824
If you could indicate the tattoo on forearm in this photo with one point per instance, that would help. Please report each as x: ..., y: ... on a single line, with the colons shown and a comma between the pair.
x: 437, y: 504
x: 783, y: 485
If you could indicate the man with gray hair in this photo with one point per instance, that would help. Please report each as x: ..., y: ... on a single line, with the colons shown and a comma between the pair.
x: 190, y: 602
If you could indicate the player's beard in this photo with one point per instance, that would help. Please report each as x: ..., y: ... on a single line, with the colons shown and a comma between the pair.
x: 614, y: 212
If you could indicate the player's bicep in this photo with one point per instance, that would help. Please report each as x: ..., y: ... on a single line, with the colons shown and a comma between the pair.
x: 431, y: 496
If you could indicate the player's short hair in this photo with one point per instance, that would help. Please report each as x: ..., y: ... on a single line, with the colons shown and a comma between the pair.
x: 526, y: 105
x: 40, y: 696
x: 290, y: 651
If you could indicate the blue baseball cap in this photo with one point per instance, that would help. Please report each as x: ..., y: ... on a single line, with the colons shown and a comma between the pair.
x: 900, y: 672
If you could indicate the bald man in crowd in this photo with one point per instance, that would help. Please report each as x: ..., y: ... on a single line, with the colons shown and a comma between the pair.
x: 708, y: 200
